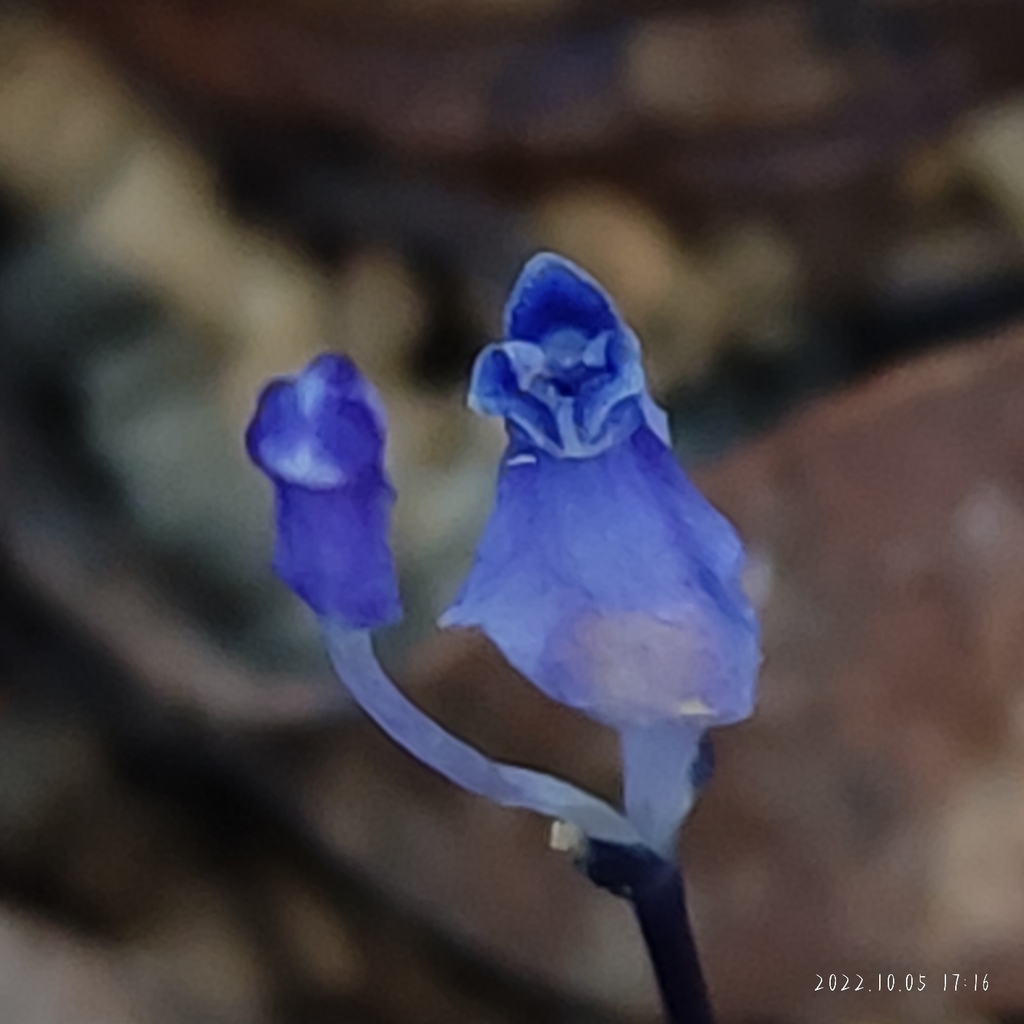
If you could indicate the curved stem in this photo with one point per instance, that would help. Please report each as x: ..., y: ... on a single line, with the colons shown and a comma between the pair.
x: 353, y: 658
x: 655, y: 888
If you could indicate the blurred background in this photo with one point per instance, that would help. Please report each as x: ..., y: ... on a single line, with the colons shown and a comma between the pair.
x: 812, y: 213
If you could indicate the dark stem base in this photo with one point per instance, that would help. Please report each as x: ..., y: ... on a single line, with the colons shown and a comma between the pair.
x: 655, y: 888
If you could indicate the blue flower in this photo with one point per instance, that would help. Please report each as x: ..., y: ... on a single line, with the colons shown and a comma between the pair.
x: 320, y: 438
x: 603, y: 574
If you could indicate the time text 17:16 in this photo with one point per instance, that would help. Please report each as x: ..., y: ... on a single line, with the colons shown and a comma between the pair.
x: 910, y: 983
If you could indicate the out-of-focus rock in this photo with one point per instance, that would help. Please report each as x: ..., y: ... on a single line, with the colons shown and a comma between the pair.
x: 682, y: 68
x: 50, y: 977
x: 140, y: 202
x: 867, y: 818
x: 990, y: 151
x: 201, y: 961
x: 65, y: 119
x: 935, y: 262
x: 762, y: 281
x: 379, y: 316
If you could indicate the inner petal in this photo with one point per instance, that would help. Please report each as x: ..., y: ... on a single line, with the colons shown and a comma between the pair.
x: 571, y: 359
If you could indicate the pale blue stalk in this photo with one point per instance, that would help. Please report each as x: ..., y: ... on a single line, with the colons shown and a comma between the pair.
x: 352, y: 655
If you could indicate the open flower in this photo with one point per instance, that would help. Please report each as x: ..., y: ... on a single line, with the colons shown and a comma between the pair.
x: 603, y: 575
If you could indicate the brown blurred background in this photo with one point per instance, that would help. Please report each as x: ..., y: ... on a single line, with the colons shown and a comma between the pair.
x: 812, y: 213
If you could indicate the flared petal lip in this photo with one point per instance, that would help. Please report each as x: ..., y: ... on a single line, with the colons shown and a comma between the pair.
x: 523, y: 350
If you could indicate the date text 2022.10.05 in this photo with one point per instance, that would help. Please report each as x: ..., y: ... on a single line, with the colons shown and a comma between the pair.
x: 900, y: 983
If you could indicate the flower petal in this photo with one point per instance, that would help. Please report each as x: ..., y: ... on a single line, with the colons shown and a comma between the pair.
x: 332, y: 551
x: 613, y: 585
x: 568, y: 378
x: 496, y: 390
x: 553, y: 294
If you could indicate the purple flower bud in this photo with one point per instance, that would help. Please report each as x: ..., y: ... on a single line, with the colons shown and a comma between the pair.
x: 319, y: 437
